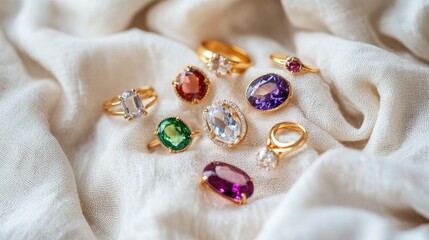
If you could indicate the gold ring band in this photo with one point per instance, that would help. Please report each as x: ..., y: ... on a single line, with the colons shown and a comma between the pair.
x: 269, y: 158
x: 222, y: 58
x: 135, y: 97
x: 156, y: 142
x: 292, y: 64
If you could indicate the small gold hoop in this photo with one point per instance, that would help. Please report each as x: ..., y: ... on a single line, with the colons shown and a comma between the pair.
x: 292, y: 64
x: 112, y: 106
x: 223, y: 58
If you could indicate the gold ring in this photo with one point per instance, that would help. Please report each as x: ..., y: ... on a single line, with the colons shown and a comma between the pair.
x: 222, y: 58
x: 131, y: 102
x: 174, y: 135
x: 269, y: 158
x: 224, y: 123
x: 292, y: 64
x: 191, y: 85
x: 229, y: 181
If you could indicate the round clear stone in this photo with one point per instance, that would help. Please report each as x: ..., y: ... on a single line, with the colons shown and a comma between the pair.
x: 219, y: 65
x: 223, y: 124
x: 267, y: 159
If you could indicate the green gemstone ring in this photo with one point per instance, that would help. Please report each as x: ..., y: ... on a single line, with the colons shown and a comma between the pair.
x: 174, y: 134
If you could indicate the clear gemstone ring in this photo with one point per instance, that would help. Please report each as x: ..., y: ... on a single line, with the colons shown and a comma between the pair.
x: 292, y: 64
x: 269, y: 157
x: 222, y: 58
x: 130, y: 104
x: 224, y: 123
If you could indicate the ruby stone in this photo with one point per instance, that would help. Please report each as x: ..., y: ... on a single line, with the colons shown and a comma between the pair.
x: 191, y: 85
x: 228, y: 180
x: 293, y: 65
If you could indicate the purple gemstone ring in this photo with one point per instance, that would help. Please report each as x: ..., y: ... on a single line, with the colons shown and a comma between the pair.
x: 269, y: 92
x: 292, y: 64
x: 228, y: 181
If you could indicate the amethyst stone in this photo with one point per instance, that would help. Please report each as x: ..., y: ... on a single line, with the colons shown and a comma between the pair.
x: 268, y: 92
x: 229, y: 181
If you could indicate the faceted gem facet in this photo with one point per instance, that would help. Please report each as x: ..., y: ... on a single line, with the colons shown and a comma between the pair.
x: 268, y: 92
x: 132, y: 105
x: 228, y: 180
x: 293, y: 65
x: 219, y: 65
x: 224, y: 123
x: 174, y: 134
x: 192, y: 85
x: 266, y: 159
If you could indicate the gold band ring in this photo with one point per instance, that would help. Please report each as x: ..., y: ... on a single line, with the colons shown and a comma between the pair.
x: 223, y: 59
x: 131, y: 102
x: 292, y: 64
x: 174, y: 135
x: 269, y: 157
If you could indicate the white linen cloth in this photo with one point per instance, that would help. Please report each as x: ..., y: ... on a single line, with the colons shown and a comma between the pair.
x: 69, y: 171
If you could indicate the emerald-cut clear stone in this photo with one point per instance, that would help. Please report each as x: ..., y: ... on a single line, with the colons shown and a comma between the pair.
x: 132, y: 105
x: 174, y: 134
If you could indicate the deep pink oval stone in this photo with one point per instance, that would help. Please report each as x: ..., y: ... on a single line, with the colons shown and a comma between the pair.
x: 228, y: 180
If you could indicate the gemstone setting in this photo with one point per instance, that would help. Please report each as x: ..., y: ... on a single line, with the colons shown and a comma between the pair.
x: 224, y: 123
x: 293, y: 65
x: 174, y: 134
x: 269, y: 92
x: 229, y: 181
x: 219, y: 65
x: 132, y: 104
x: 191, y: 85
x: 267, y: 159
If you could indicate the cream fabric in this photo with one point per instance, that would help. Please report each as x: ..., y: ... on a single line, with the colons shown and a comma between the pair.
x: 68, y: 171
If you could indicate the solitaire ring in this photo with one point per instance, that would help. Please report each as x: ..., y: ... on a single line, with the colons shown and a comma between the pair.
x: 269, y: 158
x: 292, y: 64
x: 132, y: 103
x: 223, y: 59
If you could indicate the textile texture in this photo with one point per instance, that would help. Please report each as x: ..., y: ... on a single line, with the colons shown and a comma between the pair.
x: 69, y: 171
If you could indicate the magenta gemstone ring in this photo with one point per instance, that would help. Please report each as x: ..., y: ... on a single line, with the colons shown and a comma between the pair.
x: 269, y: 92
x: 292, y: 64
x: 228, y: 181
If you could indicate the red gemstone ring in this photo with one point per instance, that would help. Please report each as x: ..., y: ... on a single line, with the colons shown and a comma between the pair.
x: 292, y: 64
x: 228, y: 181
x: 191, y: 85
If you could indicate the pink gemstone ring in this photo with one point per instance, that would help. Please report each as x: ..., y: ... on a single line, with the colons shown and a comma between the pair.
x: 228, y: 181
x: 292, y: 64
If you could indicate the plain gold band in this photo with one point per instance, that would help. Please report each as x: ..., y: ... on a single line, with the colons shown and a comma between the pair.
x: 281, y: 60
x: 154, y: 143
x: 281, y: 148
x: 238, y: 58
x: 145, y: 93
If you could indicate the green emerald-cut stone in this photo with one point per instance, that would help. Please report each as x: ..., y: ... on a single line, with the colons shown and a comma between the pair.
x: 174, y: 134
